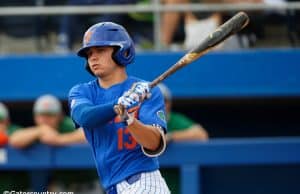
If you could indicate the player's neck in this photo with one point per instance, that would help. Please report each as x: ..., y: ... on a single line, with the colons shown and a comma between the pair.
x: 112, y: 79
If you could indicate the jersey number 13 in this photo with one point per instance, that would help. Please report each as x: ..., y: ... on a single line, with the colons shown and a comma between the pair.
x: 128, y: 143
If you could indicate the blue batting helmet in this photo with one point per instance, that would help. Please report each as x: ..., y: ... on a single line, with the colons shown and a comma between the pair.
x: 109, y: 34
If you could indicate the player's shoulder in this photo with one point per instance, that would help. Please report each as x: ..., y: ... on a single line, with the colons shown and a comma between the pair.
x: 83, y: 87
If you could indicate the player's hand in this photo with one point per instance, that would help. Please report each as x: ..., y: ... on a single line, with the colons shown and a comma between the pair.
x: 127, y: 106
x: 129, y: 100
x: 142, y: 89
x: 135, y: 96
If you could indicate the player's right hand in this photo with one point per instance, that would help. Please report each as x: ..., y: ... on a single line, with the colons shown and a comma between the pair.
x: 127, y: 105
x: 132, y: 99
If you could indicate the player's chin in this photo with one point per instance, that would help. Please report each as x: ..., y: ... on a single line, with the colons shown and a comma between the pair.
x: 100, y: 74
x: 97, y: 72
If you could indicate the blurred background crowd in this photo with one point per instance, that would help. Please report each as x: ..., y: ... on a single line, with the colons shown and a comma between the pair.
x: 25, y: 122
x: 177, y: 30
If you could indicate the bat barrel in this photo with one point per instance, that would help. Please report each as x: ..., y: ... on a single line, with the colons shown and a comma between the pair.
x: 232, y: 26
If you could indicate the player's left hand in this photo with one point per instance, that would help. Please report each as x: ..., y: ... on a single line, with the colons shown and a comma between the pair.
x: 132, y: 99
x: 129, y: 100
x: 142, y: 89
x: 135, y: 96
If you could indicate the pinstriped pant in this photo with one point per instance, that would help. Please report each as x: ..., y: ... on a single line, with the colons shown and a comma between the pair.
x: 150, y: 183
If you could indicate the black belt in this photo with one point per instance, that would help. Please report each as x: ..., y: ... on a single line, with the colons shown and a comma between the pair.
x: 130, y: 180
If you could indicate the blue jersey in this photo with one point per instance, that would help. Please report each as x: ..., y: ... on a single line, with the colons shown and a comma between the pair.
x: 116, y: 152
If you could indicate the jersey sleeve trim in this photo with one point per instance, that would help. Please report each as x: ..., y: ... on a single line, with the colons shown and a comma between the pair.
x: 161, y: 148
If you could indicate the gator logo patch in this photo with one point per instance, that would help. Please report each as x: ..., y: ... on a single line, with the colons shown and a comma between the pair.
x: 87, y: 36
x: 161, y: 115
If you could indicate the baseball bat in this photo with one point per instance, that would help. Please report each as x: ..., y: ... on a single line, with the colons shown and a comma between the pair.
x: 232, y: 26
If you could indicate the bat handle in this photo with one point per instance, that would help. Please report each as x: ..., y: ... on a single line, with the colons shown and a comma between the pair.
x: 156, y: 81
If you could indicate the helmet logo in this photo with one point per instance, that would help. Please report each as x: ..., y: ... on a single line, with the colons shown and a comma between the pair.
x: 87, y: 36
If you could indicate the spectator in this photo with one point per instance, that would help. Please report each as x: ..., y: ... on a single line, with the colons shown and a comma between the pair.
x: 198, y: 29
x: 10, y: 180
x: 53, y: 128
x: 180, y: 128
x: 4, y: 125
x: 70, y: 25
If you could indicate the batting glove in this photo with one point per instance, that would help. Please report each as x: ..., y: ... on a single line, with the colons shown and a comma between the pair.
x: 142, y: 89
x: 129, y: 103
x: 129, y: 100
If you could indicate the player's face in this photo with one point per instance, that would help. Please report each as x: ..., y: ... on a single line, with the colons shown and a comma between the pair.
x: 100, y: 61
x: 52, y: 120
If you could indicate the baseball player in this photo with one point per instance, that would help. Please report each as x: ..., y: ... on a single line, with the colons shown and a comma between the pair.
x: 126, y: 146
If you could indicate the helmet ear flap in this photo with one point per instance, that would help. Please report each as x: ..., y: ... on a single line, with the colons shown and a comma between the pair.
x: 115, y: 56
x: 123, y: 56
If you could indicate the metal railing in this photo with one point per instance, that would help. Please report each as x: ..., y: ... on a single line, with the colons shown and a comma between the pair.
x: 155, y: 7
